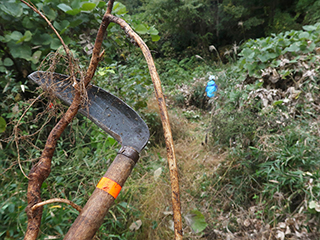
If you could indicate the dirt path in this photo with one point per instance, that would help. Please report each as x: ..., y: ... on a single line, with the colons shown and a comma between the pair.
x: 196, y: 161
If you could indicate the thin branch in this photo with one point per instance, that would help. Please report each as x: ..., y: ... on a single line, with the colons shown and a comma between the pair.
x: 110, y: 6
x: 42, y: 169
x: 96, y: 53
x: 15, y: 130
x: 66, y: 49
x: 54, y: 200
x: 174, y: 177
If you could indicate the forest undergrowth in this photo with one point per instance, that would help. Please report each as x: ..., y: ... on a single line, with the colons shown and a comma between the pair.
x: 264, y: 126
x: 248, y: 157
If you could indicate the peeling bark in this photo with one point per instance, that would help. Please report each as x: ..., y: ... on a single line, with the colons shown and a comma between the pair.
x: 174, y: 176
x: 42, y: 169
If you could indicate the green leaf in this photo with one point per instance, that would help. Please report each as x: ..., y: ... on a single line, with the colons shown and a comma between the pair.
x: 311, y: 47
x: 275, y: 63
x: 247, y: 53
x: 42, y: 39
x: 295, y: 60
x: 119, y: 8
x: 275, y: 103
x: 64, y: 7
x: 87, y: 6
x: 67, y: 40
x: 295, y: 47
x: 36, y: 57
x: 141, y: 29
x: 11, y: 208
x: 153, y: 31
x: 3, y: 233
x: 7, y: 62
x: 272, y: 55
x: 3, y: 125
x: 55, y: 44
x: 111, y: 141
x: 76, y: 4
x: 58, y: 228
x: 73, y: 11
x: 49, y: 12
x: 263, y: 58
x: 155, y: 38
x: 284, y: 73
x: 309, y: 28
x: 27, y: 23
x: 20, y: 51
x: 12, y: 9
x: 304, y: 35
x: 267, y: 56
x: 26, y: 37
x: 101, y: 4
x: 196, y: 221
x: 76, y: 22
x: 61, y: 26
x: 16, y: 36
x: 259, y: 84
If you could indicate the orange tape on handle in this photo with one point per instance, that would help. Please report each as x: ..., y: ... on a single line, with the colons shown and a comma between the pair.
x: 109, y: 186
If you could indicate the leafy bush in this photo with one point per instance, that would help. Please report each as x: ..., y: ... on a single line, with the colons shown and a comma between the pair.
x: 29, y: 42
x: 269, y: 127
x: 26, y: 122
x: 130, y: 81
x: 280, y: 56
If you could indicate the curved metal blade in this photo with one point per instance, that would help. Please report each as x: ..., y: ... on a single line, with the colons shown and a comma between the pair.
x: 106, y: 110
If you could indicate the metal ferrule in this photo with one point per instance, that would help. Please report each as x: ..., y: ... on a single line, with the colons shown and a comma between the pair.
x: 129, y: 152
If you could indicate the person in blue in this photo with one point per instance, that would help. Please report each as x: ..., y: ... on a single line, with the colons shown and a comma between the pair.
x: 212, y: 87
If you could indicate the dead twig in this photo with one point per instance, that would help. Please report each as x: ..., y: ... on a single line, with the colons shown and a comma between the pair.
x: 174, y: 177
x: 54, y: 200
x: 15, y: 130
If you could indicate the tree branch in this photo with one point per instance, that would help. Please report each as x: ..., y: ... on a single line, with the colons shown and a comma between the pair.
x: 174, y: 177
x: 66, y: 49
x: 41, y: 170
x: 53, y: 200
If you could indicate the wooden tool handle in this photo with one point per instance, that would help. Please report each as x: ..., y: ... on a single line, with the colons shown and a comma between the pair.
x: 93, y: 213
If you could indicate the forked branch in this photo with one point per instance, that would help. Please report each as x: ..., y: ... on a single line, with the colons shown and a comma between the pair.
x: 41, y: 170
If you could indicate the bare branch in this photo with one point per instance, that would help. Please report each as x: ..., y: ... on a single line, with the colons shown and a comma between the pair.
x: 15, y: 130
x: 42, y: 169
x: 175, y: 194
x: 54, y: 200
x: 110, y: 6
